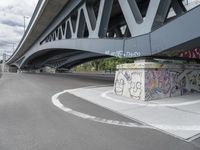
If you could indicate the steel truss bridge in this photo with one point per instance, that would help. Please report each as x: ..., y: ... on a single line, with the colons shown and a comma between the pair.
x: 65, y: 33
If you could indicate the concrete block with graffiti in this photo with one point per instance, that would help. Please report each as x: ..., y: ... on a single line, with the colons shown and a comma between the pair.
x: 150, y: 81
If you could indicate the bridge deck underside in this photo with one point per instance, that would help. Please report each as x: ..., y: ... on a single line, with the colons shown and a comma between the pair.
x: 60, y: 58
x: 119, y: 28
x: 177, y: 39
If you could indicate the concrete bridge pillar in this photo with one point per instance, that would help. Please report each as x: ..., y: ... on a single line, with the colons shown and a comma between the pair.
x: 151, y: 80
x: 12, y: 69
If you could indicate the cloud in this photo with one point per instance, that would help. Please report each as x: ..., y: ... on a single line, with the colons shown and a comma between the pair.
x: 12, y: 14
x: 11, y: 23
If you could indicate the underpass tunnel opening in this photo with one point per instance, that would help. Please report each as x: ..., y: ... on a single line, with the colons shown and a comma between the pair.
x: 59, y: 58
x: 11, y: 68
x: 105, y: 64
x: 39, y: 59
x: 72, y: 66
x: 62, y: 59
x: 79, y: 61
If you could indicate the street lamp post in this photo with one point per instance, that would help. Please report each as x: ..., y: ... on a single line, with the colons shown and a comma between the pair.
x: 25, y: 17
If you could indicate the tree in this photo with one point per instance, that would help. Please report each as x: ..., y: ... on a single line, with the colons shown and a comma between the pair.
x: 107, y: 64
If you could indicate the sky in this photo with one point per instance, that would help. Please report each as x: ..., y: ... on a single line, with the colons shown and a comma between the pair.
x: 12, y: 14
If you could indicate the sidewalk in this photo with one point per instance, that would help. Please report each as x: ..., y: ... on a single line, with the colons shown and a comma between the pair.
x: 179, y: 116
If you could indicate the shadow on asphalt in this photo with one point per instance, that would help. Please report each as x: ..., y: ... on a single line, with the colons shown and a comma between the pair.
x: 85, y: 77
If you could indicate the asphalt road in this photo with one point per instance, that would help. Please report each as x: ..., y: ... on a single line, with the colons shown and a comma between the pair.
x: 29, y: 120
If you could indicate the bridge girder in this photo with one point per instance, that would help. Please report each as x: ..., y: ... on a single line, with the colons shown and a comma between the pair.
x: 121, y: 28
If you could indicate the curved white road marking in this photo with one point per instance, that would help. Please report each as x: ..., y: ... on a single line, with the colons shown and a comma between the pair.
x: 57, y: 103
x: 105, y: 95
x: 166, y: 127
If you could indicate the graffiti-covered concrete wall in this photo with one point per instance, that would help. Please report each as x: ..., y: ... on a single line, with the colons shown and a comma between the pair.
x: 194, y: 53
x: 150, y: 81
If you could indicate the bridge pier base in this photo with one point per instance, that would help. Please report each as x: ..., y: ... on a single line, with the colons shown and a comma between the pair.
x: 7, y: 68
x: 150, y: 80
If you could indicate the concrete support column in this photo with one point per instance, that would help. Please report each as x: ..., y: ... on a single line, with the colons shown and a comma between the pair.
x: 153, y: 80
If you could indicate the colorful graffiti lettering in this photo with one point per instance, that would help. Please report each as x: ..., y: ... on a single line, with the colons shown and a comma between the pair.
x: 195, y: 53
x: 156, y: 83
x: 168, y: 83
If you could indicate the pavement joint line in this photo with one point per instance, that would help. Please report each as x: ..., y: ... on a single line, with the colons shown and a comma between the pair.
x: 57, y: 103
x: 194, y: 137
x: 105, y: 95
x: 183, y: 110
x: 92, y: 87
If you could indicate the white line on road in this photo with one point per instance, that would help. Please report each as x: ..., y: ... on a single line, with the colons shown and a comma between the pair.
x: 162, y: 127
x: 58, y: 104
